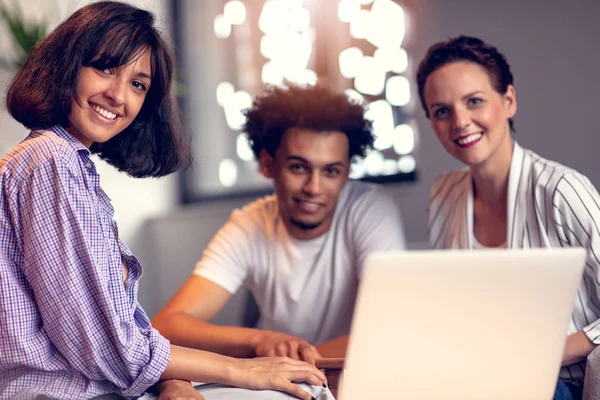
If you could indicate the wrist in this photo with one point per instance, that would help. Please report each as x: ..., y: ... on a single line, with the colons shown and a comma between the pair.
x: 233, y: 372
x: 257, y: 337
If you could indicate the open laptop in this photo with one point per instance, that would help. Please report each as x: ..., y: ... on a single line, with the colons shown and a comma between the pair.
x: 468, y: 325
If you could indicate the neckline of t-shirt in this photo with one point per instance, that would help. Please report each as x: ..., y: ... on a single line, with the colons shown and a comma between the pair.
x: 315, y: 242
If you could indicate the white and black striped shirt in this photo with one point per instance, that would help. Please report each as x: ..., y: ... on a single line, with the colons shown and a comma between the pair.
x: 549, y: 205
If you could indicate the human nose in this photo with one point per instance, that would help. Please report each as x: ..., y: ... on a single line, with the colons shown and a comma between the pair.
x: 313, y: 184
x: 461, y: 119
x: 116, y: 91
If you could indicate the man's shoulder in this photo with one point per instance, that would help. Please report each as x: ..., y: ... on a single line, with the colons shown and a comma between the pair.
x: 263, y: 206
x: 260, y: 214
x: 355, y: 190
x: 364, y: 198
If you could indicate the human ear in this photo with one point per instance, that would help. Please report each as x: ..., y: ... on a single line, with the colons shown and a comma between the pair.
x: 510, y: 101
x: 265, y: 162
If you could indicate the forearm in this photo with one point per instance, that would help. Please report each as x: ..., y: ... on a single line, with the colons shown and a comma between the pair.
x: 577, y: 347
x: 333, y: 348
x: 185, y: 330
x: 199, y: 366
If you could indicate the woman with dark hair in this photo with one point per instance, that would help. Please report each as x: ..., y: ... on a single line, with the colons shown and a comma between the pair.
x: 507, y: 197
x: 70, y: 323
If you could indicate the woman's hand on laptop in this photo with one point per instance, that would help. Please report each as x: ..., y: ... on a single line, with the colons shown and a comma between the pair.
x: 277, y: 373
x: 270, y: 344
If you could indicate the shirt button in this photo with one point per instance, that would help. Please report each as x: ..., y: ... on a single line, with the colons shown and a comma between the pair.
x: 88, y: 165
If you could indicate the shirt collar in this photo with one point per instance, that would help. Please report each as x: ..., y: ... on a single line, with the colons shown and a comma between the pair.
x: 62, y: 133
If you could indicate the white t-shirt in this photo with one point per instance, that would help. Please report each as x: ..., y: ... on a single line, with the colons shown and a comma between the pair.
x: 303, y: 288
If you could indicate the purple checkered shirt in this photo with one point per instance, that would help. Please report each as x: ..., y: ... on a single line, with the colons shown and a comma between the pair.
x: 69, y: 327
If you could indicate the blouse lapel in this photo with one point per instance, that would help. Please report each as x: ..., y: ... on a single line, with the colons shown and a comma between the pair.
x: 517, y: 198
x: 461, y: 215
x: 467, y: 239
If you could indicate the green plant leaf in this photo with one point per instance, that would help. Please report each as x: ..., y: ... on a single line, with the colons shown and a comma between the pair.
x: 24, y: 35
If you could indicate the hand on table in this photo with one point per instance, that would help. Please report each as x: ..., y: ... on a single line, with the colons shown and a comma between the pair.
x: 270, y: 344
x: 276, y: 373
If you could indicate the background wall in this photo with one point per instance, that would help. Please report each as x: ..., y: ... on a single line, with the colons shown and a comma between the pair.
x: 550, y: 44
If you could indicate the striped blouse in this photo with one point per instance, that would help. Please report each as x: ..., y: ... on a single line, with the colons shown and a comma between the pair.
x: 549, y: 205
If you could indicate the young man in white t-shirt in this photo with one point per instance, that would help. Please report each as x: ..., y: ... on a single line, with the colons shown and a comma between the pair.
x: 300, y: 251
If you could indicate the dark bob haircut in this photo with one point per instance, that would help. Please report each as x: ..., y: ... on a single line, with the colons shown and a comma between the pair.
x: 105, y: 35
x: 308, y: 107
x: 471, y: 49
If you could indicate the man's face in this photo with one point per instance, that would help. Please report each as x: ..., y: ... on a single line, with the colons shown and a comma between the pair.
x: 309, y: 170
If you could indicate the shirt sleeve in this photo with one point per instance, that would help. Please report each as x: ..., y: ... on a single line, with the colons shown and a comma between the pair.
x: 225, y: 261
x: 576, y: 214
x: 86, y: 314
x: 377, y: 226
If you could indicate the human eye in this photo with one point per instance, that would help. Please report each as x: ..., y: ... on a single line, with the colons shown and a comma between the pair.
x: 297, y: 168
x: 139, y: 85
x: 441, y: 112
x: 332, y: 172
x: 475, y: 101
x: 105, y: 71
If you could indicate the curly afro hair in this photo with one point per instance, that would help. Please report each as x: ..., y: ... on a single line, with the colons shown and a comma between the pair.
x: 317, y: 108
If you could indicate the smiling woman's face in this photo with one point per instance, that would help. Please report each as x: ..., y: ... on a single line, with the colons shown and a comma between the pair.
x: 109, y: 100
x: 468, y: 116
